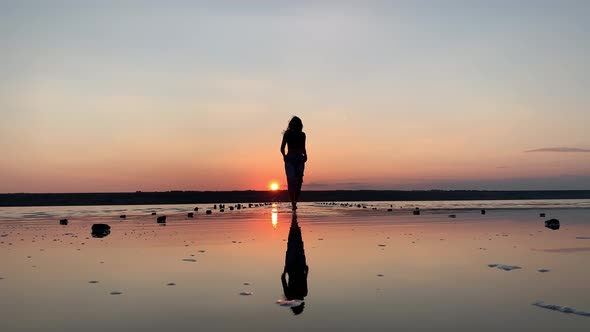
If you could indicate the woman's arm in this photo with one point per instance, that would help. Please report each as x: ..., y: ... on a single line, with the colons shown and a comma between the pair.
x: 304, y: 147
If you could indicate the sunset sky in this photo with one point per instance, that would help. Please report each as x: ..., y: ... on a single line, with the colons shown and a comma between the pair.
x: 102, y: 96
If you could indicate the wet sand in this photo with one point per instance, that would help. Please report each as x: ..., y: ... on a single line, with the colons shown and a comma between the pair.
x: 368, y: 269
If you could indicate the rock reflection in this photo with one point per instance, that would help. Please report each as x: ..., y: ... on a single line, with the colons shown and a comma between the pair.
x: 294, y: 277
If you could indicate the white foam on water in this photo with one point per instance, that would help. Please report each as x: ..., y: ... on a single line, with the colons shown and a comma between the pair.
x: 289, y: 303
x: 566, y: 310
x: 246, y: 293
x: 505, y: 267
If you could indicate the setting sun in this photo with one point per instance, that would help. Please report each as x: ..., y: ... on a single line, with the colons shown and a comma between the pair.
x: 274, y: 186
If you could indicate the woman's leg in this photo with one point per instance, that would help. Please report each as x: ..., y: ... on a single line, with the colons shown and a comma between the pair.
x: 293, y: 196
x: 298, y: 189
x: 291, y: 183
x: 299, y: 178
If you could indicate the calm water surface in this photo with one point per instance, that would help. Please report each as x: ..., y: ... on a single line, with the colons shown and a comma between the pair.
x: 366, y: 269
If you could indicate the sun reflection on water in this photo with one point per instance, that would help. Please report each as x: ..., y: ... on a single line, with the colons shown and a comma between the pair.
x: 274, y: 217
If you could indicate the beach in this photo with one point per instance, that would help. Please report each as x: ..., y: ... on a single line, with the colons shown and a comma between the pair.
x: 450, y: 268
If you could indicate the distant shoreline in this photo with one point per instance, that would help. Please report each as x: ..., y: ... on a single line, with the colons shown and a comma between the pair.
x: 251, y: 196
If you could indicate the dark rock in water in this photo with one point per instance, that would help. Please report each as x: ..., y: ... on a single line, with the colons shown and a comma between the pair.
x: 452, y: 216
x: 196, y: 209
x: 483, y: 211
x: 161, y: 219
x: 208, y: 212
x: 153, y: 213
x: 221, y: 210
x: 63, y: 222
x: 100, y: 230
x: 552, y: 224
x: 190, y: 215
x: 416, y: 212
x: 239, y: 206
x: 389, y: 210
x: 250, y: 205
x: 123, y: 216
x: 231, y: 208
x: 542, y: 215
x: 215, y: 207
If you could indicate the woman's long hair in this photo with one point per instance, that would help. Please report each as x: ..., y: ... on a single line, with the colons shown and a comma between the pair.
x: 295, y: 125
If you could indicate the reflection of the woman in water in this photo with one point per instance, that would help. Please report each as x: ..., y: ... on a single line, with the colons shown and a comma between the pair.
x: 294, y: 277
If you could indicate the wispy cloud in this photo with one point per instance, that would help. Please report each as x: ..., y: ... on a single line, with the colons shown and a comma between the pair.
x: 561, y: 149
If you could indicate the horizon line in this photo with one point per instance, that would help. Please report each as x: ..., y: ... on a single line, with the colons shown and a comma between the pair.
x: 285, y: 190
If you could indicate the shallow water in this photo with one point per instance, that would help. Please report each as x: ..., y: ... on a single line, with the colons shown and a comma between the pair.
x: 368, y: 269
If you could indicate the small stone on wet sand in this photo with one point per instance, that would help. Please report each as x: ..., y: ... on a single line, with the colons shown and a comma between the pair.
x: 505, y: 267
x: 288, y: 303
x: 566, y: 310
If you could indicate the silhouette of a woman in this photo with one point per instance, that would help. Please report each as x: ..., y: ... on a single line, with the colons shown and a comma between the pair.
x: 294, y: 139
x: 296, y: 269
